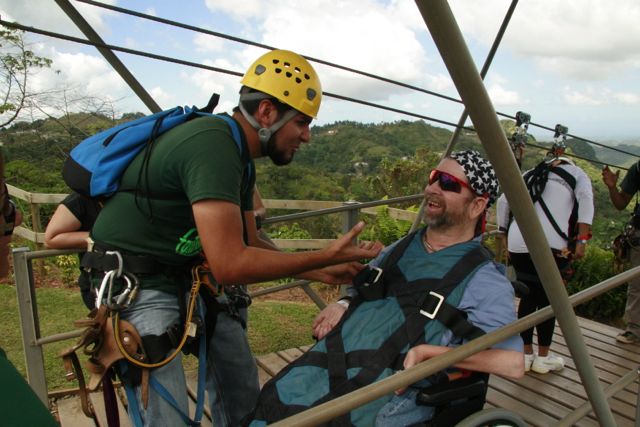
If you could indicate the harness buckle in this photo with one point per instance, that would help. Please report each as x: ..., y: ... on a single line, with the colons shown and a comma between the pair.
x: 433, y: 314
x: 375, y: 272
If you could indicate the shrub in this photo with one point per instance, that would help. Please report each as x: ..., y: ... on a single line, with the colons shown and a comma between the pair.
x: 595, y: 267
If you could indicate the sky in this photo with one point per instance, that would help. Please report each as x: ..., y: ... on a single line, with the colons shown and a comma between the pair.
x: 574, y: 62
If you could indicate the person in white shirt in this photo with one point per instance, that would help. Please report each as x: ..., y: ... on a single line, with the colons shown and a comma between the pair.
x: 556, y: 184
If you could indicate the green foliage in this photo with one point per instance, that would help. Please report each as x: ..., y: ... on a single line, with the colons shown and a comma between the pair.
x: 595, y: 267
x: 384, y: 228
x: 291, y: 231
x: 68, y: 266
x: 402, y: 177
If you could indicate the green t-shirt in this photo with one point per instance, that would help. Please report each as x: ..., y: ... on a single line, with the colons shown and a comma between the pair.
x: 631, y: 182
x: 191, y: 162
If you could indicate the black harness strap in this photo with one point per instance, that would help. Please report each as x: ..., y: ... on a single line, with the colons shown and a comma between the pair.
x: 389, y: 354
x: 372, y: 363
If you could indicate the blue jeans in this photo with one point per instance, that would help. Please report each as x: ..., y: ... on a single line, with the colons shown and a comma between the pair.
x: 232, y: 375
x: 403, y: 411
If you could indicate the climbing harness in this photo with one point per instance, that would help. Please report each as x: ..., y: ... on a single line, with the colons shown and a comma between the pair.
x: 390, y: 314
x: 111, y: 342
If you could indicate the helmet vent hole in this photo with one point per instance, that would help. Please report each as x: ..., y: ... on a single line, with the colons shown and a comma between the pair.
x: 306, y: 77
x: 287, y: 65
x: 278, y: 70
x: 298, y: 80
x: 288, y: 74
x: 297, y: 70
x: 276, y: 61
x: 260, y: 69
x: 311, y: 94
x: 286, y: 93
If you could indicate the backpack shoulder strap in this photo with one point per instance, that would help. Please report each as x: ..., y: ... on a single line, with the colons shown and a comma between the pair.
x: 570, y: 179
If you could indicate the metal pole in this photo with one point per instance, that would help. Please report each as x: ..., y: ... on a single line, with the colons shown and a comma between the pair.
x: 28, y: 313
x: 111, y: 58
x: 584, y: 409
x: 448, y: 38
x: 465, y: 115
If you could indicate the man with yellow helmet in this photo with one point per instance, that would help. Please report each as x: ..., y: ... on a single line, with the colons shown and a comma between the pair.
x: 196, y: 200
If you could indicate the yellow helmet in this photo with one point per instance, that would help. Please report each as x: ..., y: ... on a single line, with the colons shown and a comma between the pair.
x: 289, y: 78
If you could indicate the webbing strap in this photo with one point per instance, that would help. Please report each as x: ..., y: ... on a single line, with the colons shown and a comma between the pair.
x: 134, y: 409
x: 388, y: 354
x: 372, y: 363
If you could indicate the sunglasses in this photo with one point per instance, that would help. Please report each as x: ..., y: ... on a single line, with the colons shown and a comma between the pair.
x: 447, y: 181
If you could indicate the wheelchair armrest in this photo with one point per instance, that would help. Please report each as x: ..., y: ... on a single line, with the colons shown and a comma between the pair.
x: 440, y: 394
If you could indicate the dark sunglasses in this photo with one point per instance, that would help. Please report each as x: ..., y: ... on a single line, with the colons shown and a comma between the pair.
x: 447, y: 181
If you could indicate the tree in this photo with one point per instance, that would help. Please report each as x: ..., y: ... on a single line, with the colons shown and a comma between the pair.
x: 17, y: 64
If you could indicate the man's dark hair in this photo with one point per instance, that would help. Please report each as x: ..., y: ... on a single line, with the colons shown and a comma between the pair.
x: 252, y: 105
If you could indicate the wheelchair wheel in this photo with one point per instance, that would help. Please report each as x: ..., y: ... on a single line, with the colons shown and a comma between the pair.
x: 493, y: 417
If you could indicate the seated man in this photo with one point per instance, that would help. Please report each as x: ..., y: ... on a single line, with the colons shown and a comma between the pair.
x: 387, y: 322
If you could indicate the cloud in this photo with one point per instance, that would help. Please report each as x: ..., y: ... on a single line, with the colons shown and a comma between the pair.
x: 576, y: 39
x: 31, y: 13
x: 584, y: 98
x: 206, y: 43
x: 358, y: 35
x: 627, y: 98
x: 161, y: 97
x: 69, y: 69
x: 503, y: 97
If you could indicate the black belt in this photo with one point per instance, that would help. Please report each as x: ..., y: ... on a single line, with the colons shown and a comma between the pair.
x: 134, y: 264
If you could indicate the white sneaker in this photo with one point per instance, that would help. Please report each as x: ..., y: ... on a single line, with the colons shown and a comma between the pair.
x: 528, y: 360
x: 542, y: 365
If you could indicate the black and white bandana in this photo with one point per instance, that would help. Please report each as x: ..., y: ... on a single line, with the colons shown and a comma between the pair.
x: 479, y: 172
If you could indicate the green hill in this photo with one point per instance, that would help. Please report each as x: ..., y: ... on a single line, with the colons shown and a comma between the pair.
x: 345, y: 160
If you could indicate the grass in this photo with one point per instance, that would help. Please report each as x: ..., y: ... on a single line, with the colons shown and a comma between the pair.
x: 273, y: 326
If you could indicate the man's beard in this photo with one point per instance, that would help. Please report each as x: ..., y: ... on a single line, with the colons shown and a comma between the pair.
x: 278, y: 157
x: 445, y: 219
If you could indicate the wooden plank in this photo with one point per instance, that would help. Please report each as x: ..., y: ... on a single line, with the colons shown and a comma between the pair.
x: 71, y: 415
x: 531, y: 415
x: 553, y: 405
x: 272, y: 363
x: 290, y: 354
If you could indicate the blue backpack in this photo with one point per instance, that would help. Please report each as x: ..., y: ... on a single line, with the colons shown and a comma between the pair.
x: 96, y: 164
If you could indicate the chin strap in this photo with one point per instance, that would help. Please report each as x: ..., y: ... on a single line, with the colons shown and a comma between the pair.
x: 264, y: 134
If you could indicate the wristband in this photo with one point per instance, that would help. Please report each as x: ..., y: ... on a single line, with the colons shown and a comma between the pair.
x: 582, y: 241
x: 586, y: 237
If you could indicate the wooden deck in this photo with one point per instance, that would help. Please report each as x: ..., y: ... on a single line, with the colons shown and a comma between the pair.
x: 541, y: 400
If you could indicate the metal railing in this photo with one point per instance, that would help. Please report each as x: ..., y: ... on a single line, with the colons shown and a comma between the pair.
x: 28, y: 309
x: 33, y: 340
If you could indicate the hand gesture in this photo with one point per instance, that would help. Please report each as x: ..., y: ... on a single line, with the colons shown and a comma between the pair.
x: 609, y: 178
x: 343, y: 249
x: 327, y: 319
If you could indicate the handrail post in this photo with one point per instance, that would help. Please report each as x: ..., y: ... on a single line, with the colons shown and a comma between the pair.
x: 349, y: 220
x: 28, y: 312
x: 455, y: 54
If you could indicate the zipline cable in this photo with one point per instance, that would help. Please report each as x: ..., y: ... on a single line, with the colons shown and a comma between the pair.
x: 240, y: 74
x: 327, y: 63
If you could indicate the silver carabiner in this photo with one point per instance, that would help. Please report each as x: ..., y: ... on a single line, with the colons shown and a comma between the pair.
x: 108, y: 278
x: 120, y: 299
x: 120, y: 262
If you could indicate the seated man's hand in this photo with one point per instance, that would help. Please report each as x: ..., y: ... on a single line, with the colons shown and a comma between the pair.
x: 327, y: 319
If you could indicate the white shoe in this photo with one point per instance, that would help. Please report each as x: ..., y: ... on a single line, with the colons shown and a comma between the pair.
x: 542, y: 365
x: 528, y: 360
